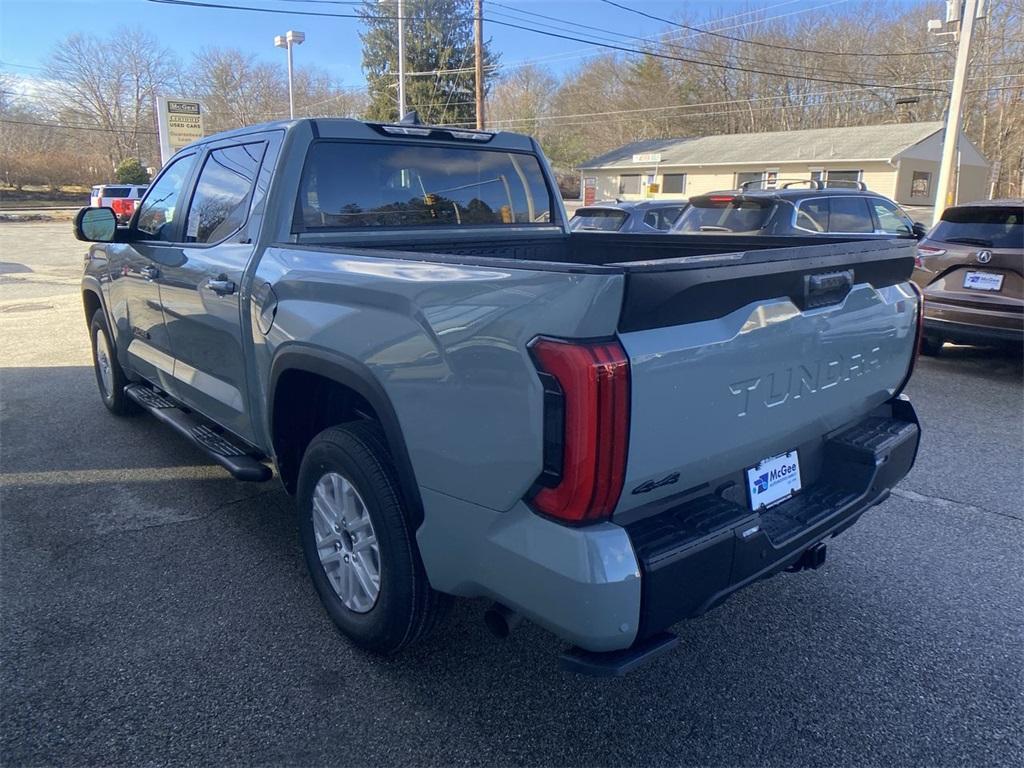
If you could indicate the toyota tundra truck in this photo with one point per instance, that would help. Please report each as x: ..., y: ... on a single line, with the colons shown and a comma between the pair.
x: 604, y: 434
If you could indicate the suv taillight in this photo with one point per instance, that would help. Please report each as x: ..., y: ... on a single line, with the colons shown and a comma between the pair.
x: 586, y: 428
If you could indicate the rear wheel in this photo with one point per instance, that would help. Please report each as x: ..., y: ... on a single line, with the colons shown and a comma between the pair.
x: 931, y: 346
x: 359, y: 542
x: 110, y: 376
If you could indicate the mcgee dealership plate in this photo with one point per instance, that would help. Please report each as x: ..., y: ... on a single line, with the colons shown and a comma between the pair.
x: 983, y: 281
x: 773, y: 480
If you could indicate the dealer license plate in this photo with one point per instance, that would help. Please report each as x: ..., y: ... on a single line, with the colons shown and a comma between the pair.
x: 983, y: 281
x: 773, y: 480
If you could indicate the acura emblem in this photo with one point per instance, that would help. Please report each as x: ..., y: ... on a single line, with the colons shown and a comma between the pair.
x: 984, y: 257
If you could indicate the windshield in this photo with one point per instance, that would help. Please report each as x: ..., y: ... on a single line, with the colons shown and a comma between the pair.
x: 723, y: 214
x: 598, y: 220
x: 352, y: 184
x: 988, y: 227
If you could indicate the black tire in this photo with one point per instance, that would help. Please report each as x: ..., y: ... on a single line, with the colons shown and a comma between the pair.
x: 406, y: 608
x: 112, y: 382
x: 931, y: 346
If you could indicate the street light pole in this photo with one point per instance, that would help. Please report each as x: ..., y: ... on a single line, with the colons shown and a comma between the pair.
x: 286, y: 41
x: 944, y: 188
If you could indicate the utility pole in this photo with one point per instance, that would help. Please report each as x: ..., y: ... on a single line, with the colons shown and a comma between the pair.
x: 478, y: 45
x: 401, y: 59
x: 944, y: 189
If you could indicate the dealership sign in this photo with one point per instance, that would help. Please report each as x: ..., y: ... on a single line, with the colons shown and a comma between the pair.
x: 647, y: 157
x: 180, y: 122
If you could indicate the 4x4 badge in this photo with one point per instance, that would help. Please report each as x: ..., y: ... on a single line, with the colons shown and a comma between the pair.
x: 984, y: 257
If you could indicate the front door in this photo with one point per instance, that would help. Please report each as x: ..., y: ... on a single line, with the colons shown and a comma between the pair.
x: 135, y: 269
x: 201, y: 292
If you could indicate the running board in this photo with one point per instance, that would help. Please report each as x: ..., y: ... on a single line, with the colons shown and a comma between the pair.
x: 617, y: 663
x: 217, y: 445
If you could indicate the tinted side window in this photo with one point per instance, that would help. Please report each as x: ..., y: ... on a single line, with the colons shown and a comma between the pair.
x: 850, y: 214
x: 156, y: 213
x: 890, y: 218
x: 813, y: 214
x: 220, y: 205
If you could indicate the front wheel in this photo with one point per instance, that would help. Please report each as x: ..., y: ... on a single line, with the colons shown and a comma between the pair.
x: 359, y: 542
x: 110, y: 376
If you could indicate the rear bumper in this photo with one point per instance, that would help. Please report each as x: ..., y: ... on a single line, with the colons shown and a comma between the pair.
x: 972, y: 324
x: 606, y: 587
x: 693, y: 557
x: 971, y: 333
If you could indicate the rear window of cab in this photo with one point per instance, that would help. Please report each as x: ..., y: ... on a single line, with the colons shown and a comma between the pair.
x: 598, y: 220
x: 359, y: 185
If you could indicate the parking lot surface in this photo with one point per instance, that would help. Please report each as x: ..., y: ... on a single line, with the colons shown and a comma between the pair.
x: 154, y: 610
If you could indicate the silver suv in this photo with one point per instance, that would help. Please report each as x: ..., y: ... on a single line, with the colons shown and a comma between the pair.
x: 802, y: 207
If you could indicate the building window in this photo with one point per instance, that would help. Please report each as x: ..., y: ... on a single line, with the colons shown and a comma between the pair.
x: 673, y: 183
x: 818, y: 174
x: 746, y: 177
x: 842, y: 178
x: 771, y: 178
x: 629, y: 185
x: 921, y: 184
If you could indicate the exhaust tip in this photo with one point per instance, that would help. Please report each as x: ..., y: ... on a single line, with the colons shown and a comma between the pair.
x: 501, y: 620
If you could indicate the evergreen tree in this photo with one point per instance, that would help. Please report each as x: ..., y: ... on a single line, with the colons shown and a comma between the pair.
x: 438, y: 39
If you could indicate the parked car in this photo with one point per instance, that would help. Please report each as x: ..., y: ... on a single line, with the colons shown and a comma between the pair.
x: 971, y: 269
x: 122, y: 198
x: 596, y: 432
x: 645, y: 216
x: 802, y: 207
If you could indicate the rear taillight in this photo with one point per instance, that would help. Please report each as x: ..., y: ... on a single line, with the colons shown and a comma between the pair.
x: 586, y: 430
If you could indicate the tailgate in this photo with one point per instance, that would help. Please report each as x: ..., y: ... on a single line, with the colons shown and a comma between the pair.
x: 739, y: 360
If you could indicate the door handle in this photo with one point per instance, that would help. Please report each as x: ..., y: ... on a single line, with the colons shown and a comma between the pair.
x: 150, y: 273
x: 220, y: 286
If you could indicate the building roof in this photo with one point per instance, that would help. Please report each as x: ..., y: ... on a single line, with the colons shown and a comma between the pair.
x: 867, y: 142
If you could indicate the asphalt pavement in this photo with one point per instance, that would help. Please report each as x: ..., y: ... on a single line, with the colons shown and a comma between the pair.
x: 156, y: 611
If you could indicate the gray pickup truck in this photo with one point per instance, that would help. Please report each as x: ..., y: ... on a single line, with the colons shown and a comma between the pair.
x: 604, y: 434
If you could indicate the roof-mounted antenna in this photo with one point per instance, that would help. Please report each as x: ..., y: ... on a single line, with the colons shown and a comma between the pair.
x: 411, y: 117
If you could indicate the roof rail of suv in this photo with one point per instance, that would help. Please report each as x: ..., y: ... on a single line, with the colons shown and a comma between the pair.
x: 847, y: 184
x: 758, y: 183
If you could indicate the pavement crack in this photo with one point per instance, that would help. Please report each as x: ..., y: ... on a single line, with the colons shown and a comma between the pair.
x: 945, y: 503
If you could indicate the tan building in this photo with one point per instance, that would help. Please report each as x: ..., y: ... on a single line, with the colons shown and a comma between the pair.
x: 900, y: 161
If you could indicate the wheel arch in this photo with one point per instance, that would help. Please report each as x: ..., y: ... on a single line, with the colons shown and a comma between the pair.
x: 298, y: 364
x: 92, y: 299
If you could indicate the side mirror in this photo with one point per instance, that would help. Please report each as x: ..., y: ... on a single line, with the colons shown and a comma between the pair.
x: 96, y: 225
x: 919, y: 230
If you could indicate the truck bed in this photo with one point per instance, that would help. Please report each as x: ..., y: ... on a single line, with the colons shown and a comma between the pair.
x: 670, y: 279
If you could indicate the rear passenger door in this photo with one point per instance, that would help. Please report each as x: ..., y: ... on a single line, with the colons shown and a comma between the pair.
x: 201, y: 295
x: 849, y: 215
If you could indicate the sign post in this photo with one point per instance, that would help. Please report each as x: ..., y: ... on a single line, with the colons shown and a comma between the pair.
x: 180, y: 122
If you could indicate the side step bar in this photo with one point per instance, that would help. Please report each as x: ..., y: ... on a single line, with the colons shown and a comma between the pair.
x: 617, y: 663
x: 219, y: 447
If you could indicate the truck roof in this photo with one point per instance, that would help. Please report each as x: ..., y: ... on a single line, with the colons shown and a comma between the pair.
x: 350, y: 128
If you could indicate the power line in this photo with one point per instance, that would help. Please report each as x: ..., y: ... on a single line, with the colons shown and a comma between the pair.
x: 767, y: 45
x: 687, y: 60
x: 675, y: 46
x: 662, y: 36
x: 69, y: 127
x: 610, y: 46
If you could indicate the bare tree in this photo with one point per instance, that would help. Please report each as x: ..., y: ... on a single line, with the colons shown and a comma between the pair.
x: 111, y: 84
